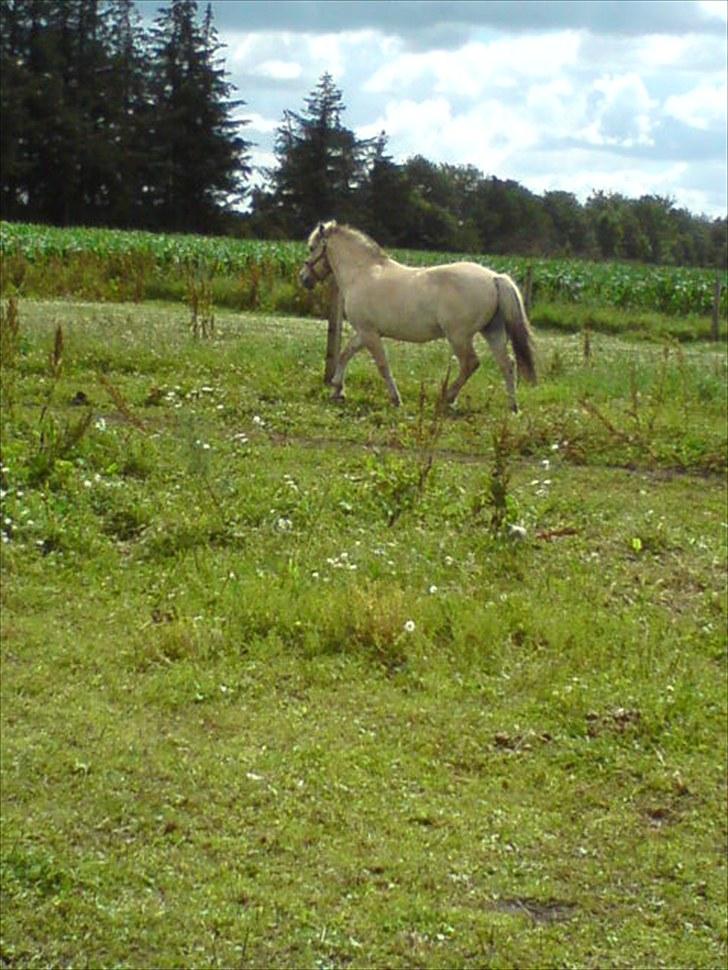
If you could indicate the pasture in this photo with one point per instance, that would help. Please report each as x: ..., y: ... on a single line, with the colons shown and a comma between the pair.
x: 294, y: 684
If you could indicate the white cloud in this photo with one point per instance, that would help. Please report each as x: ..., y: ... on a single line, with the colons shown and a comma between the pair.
x: 585, y: 171
x: 702, y: 107
x: 257, y: 122
x: 621, y: 112
x: 484, y: 135
x: 714, y: 8
x: 280, y: 70
x: 662, y: 50
x: 477, y: 67
x: 563, y: 108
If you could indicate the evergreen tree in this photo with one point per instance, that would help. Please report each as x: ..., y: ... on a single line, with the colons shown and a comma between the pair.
x: 37, y: 132
x: 382, y: 197
x: 60, y: 153
x: 321, y: 164
x: 199, y: 160
x: 15, y: 80
x: 130, y: 112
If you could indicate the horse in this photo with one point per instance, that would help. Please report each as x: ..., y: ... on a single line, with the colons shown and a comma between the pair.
x: 383, y: 298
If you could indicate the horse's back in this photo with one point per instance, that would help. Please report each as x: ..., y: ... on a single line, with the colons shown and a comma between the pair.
x: 463, y: 292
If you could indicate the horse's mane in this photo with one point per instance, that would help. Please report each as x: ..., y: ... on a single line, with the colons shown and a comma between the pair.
x: 373, y: 247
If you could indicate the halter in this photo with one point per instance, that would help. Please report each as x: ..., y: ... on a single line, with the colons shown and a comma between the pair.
x: 310, y: 263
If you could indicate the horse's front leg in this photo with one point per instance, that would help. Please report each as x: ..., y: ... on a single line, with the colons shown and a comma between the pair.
x: 373, y: 343
x: 354, y: 345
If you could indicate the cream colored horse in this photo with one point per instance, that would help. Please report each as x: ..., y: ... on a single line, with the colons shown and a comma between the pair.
x: 383, y: 298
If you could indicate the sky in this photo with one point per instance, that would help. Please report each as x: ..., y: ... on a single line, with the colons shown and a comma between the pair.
x: 622, y: 96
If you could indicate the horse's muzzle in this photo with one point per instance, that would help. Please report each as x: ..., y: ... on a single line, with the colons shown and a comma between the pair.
x: 307, y: 278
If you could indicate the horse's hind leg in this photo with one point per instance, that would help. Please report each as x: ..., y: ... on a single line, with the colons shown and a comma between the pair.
x: 354, y: 345
x: 373, y: 343
x: 495, y: 334
x: 469, y: 363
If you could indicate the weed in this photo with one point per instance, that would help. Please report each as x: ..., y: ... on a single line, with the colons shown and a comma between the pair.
x: 56, y: 438
x: 9, y: 352
x: 200, y: 300
x: 122, y: 405
x: 56, y: 442
x: 399, y: 480
x: 496, y: 498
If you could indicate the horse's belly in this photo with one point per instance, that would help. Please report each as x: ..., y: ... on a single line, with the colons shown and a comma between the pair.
x: 420, y: 329
x: 402, y: 312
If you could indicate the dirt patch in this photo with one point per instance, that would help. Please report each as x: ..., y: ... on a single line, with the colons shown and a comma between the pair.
x: 538, y: 910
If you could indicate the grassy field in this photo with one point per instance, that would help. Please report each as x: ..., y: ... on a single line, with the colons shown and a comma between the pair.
x: 289, y: 684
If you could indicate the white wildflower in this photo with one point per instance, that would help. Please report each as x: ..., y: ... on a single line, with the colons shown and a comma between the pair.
x: 409, y: 626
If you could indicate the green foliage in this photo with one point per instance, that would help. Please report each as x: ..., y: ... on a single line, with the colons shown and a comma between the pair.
x: 251, y: 274
x: 248, y: 720
x: 9, y: 351
x: 83, y: 86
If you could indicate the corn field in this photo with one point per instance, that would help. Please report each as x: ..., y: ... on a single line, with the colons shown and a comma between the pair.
x: 133, y: 256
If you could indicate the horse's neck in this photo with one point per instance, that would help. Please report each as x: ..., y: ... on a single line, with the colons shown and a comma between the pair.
x: 348, y: 260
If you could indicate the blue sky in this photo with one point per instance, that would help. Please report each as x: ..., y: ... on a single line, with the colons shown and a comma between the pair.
x: 619, y: 96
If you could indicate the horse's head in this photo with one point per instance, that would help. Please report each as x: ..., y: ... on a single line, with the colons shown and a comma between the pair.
x: 317, y: 267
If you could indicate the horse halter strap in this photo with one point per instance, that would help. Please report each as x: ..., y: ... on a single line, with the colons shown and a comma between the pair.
x: 311, y: 263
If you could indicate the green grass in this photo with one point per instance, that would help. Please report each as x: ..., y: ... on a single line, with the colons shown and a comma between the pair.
x: 277, y: 692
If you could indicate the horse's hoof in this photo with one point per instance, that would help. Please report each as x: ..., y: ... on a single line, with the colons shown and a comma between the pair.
x: 337, y: 398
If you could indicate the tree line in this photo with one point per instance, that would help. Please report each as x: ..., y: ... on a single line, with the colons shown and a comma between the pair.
x: 107, y: 122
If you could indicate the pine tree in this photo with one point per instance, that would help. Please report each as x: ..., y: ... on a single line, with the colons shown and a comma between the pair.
x: 199, y: 160
x: 36, y: 130
x: 56, y: 157
x: 130, y: 111
x: 321, y: 163
x: 15, y: 80
x: 384, y: 197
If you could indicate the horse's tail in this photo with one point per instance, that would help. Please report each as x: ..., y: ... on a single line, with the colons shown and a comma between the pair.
x: 511, y: 306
